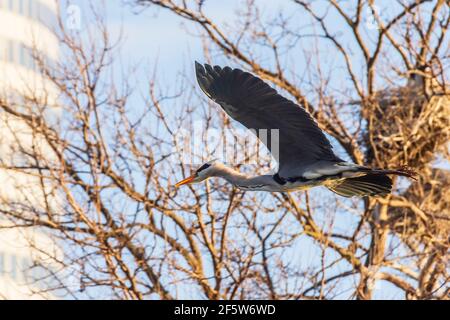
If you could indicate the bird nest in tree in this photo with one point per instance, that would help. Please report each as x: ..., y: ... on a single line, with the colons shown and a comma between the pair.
x: 409, y: 126
x: 431, y: 215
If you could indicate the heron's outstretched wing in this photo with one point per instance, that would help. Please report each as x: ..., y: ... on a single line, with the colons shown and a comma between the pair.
x: 256, y: 105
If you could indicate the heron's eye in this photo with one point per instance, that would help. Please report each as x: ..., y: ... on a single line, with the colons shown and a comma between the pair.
x: 203, y: 167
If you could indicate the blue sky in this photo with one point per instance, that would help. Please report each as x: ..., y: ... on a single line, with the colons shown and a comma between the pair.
x: 153, y: 34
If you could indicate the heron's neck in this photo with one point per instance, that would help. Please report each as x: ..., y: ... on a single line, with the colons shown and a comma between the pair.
x: 242, y: 180
x: 231, y: 175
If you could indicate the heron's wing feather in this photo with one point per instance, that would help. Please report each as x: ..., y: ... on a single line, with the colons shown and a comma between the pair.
x: 256, y: 105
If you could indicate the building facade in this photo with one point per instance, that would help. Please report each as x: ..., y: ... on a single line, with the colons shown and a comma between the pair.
x: 25, y: 25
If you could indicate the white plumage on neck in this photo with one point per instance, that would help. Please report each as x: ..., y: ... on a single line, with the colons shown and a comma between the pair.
x: 243, y: 181
x: 246, y: 182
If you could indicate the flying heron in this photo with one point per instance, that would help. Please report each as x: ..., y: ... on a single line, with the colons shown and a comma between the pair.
x: 306, y: 158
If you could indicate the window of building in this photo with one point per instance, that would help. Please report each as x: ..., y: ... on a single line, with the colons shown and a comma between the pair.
x: 29, y: 59
x: 4, y: 49
x: 21, y: 9
x: 13, y: 267
x: 2, y: 263
x: 30, y: 8
x: 25, y: 266
x: 22, y: 56
x: 10, y: 51
x: 36, y: 11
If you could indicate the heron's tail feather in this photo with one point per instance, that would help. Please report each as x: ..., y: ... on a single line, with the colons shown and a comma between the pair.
x: 372, y: 184
x: 403, y: 171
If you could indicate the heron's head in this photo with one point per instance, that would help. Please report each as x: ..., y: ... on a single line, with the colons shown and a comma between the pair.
x: 204, y: 172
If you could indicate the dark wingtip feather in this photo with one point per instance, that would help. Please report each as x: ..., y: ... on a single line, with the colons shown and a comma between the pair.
x: 202, y: 78
x: 208, y: 68
x: 199, y: 70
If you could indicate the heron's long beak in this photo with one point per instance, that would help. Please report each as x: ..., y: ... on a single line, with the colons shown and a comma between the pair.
x: 185, y: 181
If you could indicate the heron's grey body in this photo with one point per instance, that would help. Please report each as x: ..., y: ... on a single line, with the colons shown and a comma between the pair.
x: 305, y: 155
x: 345, y: 179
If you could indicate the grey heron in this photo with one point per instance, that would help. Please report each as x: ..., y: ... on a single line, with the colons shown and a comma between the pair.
x: 306, y: 158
